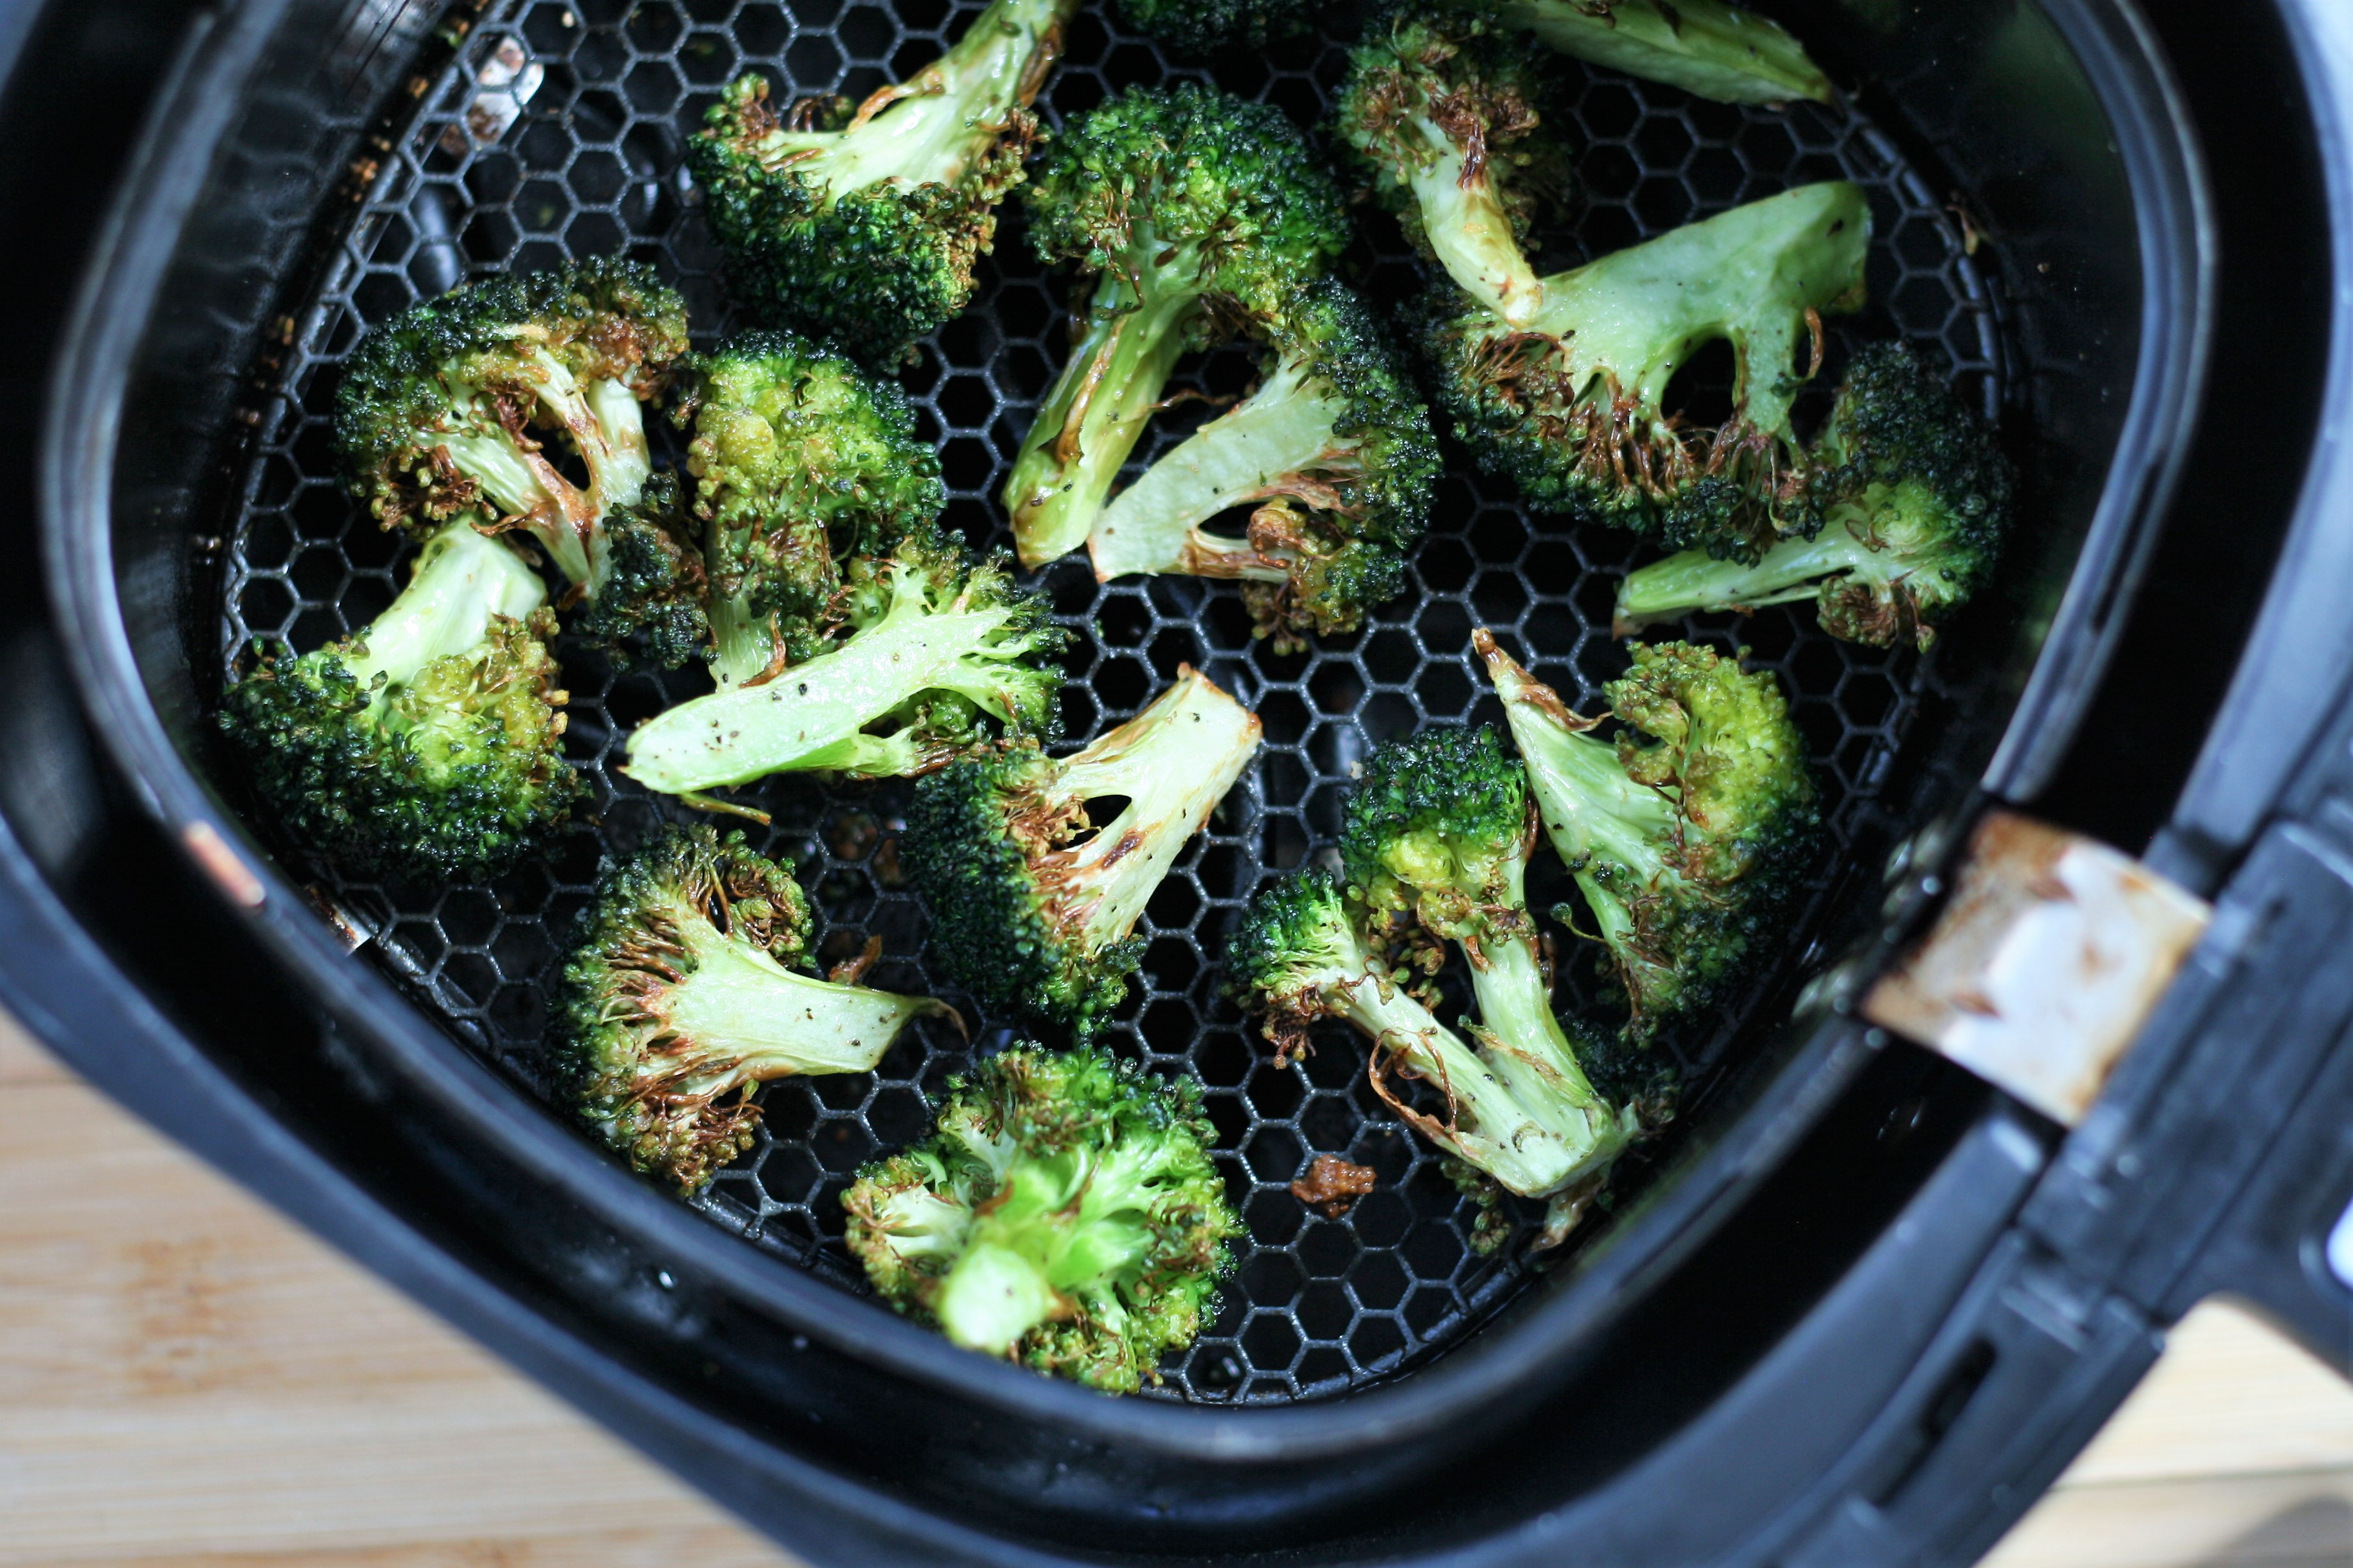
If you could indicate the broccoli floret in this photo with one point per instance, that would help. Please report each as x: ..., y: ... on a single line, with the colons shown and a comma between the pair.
x: 428, y: 743
x: 936, y: 656
x: 801, y: 461
x: 1704, y: 47
x: 1441, y: 117
x: 655, y: 583
x: 864, y: 226
x: 1914, y: 497
x: 1568, y: 405
x: 1689, y: 836
x: 680, y: 993
x: 1196, y: 29
x: 1332, y: 452
x: 1165, y: 198
x: 445, y: 408
x: 1517, y: 1109
x: 1032, y: 900
x: 1065, y: 1214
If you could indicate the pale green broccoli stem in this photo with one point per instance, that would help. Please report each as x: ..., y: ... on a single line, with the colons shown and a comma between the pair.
x: 1704, y: 47
x: 1245, y: 454
x: 1108, y: 392
x: 1055, y: 1227
x: 1467, y: 227
x: 933, y: 127
x: 743, y: 639
x: 463, y: 578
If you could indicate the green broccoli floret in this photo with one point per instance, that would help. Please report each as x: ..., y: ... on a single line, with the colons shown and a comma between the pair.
x: 679, y: 994
x: 1065, y: 1214
x: 1518, y: 1109
x: 1196, y: 29
x: 1568, y: 406
x: 1441, y: 117
x: 1165, y: 198
x: 1032, y: 900
x: 655, y: 583
x: 1914, y: 497
x: 801, y: 461
x: 936, y: 656
x: 429, y: 742
x: 1332, y: 452
x: 864, y: 226
x: 1704, y: 47
x: 447, y: 407
x: 1689, y: 835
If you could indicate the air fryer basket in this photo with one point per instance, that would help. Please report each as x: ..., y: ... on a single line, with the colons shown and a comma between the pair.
x: 2035, y: 229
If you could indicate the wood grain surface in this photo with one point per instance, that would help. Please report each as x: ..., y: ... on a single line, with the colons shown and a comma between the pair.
x: 187, y: 1380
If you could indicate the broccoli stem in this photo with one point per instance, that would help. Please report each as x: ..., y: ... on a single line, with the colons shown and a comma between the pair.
x: 463, y: 579
x: 1704, y: 47
x: 1467, y: 228
x: 743, y: 639
x: 606, y: 427
x: 1524, y: 1040
x: 747, y: 1019
x: 1134, y: 334
x: 1789, y: 571
x: 1258, y: 450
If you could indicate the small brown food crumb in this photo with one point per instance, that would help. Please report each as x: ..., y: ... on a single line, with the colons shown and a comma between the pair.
x: 1331, y: 1186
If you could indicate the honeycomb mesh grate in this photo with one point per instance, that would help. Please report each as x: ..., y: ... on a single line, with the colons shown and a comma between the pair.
x: 556, y: 130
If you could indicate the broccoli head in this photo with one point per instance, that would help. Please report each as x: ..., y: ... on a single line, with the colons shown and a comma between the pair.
x: 1196, y: 29
x: 936, y: 656
x: 653, y: 602
x: 429, y: 742
x: 1568, y: 405
x: 1914, y: 496
x: 447, y: 407
x: 1032, y: 900
x: 1332, y: 452
x: 1689, y: 835
x: 1065, y: 1214
x: 1704, y: 47
x: 864, y: 225
x: 801, y: 461
x: 680, y: 993
x: 1165, y: 198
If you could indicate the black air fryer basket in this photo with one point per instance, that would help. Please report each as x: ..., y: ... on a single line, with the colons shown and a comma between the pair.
x: 1802, y: 1313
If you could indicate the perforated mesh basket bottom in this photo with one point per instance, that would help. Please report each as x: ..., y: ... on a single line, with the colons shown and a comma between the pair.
x: 556, y: 131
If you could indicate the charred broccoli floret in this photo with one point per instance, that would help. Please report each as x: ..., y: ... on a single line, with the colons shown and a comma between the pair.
x: 653, y: 602
x: 1568, y: 405
x: 938, y: 656
x: 1195, y: 29
x: 1914, y: 497
x: 1032, y: 900
x: 680, y: 995
x: 1690, y: 834
x: 428, y: 742
x: 448, y: 406
x: 1166, y: 199
x: 1704, y: 47
x: 1064, y: 1214
x: 1332, y: 452
x: 863, y: 225
x: 801, y: 461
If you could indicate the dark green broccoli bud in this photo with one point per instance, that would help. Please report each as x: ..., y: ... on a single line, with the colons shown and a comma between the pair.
x: 864, y: 226
x: 801, y: 461
x: 1441, y: 117
x: 1332, y: 452
x: 680, y: 993
x: 1914, y: 497
x: 654, y: 587
x: 429, y: 742
x: 1517, y: 1109
x: 938, y: 655
x: 1033, y: 901
x: 1196, y: 29
x: 1065, y: 1214
x: 1568, y: 405
x: 1434, y: 840
x: 446, y: 409
x: 1704, y: 47
x: 1689, y: 835
x: 1165, y: 198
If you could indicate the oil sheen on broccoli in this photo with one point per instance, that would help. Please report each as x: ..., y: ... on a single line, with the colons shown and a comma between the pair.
x: 863, y: 225
x: 1169, y: 200
x: 1704, y: 47
x: 1065, y: 1214
x: 1032, y: 899
x: 936, y: 656
x: 1332, y: 453
x: 428, y: 744
x: 681, y: 992
x: 1690, y: 834
x: 1914, y: 499
x: 801, y: 461
x: 1568, y: 404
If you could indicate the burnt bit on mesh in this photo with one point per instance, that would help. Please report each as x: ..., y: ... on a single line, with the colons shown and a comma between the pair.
x: 1331, y: 1186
